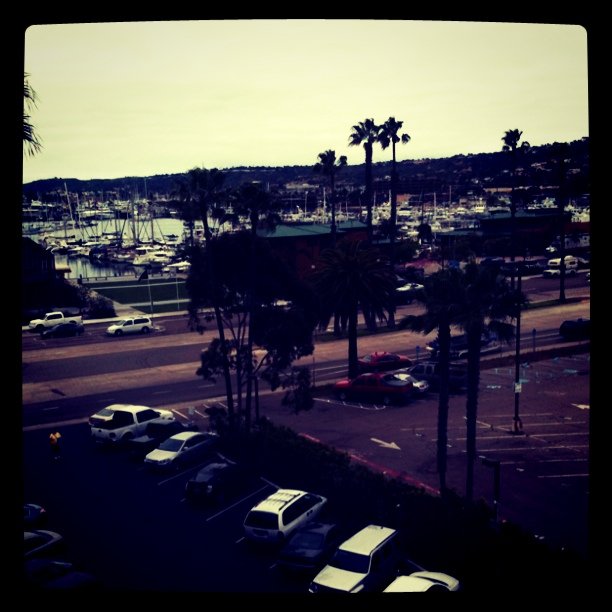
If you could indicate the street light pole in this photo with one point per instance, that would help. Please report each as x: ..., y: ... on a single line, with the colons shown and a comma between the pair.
x: 517, y: 427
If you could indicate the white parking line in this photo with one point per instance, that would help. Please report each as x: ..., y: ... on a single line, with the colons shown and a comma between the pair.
x: 242, y: 499
x: 526, y: 448
x: 565, y: 476
x: 51, y: 408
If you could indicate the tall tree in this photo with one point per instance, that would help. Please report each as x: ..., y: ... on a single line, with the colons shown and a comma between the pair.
x: 389, y: 134
x: 329, y: 166
x: 203, y: 188
x: 487, y: 302
x: 511, y: 145
x: 349, y: 278
x: 365, y: 133
x: 31, y: 141
x: 442, y: 290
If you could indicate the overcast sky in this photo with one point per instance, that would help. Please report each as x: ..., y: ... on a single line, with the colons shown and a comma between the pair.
x: 145, y: 98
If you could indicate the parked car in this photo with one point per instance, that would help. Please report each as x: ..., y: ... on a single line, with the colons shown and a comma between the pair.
x: 419, y: 582
x: 63, y: 330
x: 131, y: 325
x: 375, y: 387
x: 367, y: 561
x: 382, y: 361
x: 459, y: 346
x: 217, y: 481
x: 155, y: 432
x: 310, y: 547
x: 556, y: 272
x: 40, y: 542
x: 34, y: 515
x: 408, y: 292
x: 429, y: 371
x: 40, y: 573
x: 576, y: 329
x: 182, y: 448
x: 53, y: 318
x: 419, y: 386
x: 122, y: 422
x: 276, y: 517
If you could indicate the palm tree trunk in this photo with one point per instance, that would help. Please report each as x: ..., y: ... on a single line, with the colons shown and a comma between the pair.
x: 251, y: 305
x: 352, y: 342
x: 474, y: 334
x: 392, y: 228
x: 368, y: 189
x: 333, y: 210
x: 442, y: 443
x: 219, y: 320
x: 562, y: 248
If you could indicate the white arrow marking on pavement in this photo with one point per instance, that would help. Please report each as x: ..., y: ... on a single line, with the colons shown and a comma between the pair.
x: 385, y: 444
x: 582, y: 406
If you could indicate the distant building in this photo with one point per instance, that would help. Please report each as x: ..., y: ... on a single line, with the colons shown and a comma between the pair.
x: 300, y: 245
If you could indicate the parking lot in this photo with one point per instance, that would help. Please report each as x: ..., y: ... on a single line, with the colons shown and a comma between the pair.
x: 134, y: 529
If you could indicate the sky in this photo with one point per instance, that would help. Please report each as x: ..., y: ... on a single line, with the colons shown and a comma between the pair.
x: 146, y: 98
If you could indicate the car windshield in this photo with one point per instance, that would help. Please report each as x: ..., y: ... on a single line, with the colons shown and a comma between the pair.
x: 307, y: 540
x: 350, y: 561
x: 261, y: 520
x: 172, y: 445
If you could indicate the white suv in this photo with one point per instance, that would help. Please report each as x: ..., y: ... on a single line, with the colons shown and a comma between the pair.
x: 280, y: 514
x: 367, y: 561
x: 122, y: 422
x: 131, y: 325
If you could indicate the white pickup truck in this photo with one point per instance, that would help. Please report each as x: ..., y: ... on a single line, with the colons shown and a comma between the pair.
x: 53, y: 318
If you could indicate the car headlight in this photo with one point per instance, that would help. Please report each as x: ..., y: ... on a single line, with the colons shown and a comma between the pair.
x: 209, y: 489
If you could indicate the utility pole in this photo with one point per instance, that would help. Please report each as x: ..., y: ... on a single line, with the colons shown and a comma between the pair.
x: 517, y: 427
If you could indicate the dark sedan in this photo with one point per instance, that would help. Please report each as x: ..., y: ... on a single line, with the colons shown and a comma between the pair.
x: 577, y: 329
x: 310, y: 548
x: 63, y: 330
x: 216, y: 482
x: 383, y: 361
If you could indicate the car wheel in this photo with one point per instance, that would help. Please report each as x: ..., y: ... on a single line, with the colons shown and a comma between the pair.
x: 145, y: 330
x: 118, y: 333
x: 386, y: 400
x: 40, y: 329
x: 342, y: 396
x: 127, y: 437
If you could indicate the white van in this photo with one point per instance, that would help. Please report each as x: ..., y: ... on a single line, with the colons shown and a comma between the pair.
x: 367, y: 561
x: 280, y: 514
x: 571, y: 263
x: 123, y: 422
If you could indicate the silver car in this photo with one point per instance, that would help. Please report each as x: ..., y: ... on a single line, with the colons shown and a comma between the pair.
x: 181, y: 448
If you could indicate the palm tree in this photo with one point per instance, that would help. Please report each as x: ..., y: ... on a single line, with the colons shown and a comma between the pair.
x: 487, y: 301
x: 511, y: 145
x: 329, y: 166
x: 366, y: 133
x: 389, y: 135
x: 201, y: 188
x: 441, y: 311
x: 31, y: 141
x: 351, y: 277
